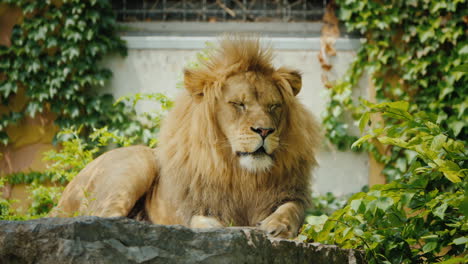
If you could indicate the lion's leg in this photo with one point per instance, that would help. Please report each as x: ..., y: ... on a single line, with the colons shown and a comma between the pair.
x: 200, y: 221
x: 116, y: 205
x: 111, y: 184
x: 285, y: 221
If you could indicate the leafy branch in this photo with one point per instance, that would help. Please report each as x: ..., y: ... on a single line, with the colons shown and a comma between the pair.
x: 420, y: 217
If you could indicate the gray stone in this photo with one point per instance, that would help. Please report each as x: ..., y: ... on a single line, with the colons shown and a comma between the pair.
x: 122, y: 240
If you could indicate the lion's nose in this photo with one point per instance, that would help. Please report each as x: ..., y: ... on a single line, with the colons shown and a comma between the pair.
x: 264, y: 132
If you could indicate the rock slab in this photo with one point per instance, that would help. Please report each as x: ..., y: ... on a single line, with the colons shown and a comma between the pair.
x: 122, y: 240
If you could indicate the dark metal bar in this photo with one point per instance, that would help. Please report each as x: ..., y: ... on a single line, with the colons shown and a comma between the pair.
x: 244, y: 11
x: 204, y: 10
x: 124, y: 9
x: 184, y: 12
x: 304, y: 7
x: 217, y: 12
x: 164, y: 14
x: 196, y: 10
x: 146, y: 10
x: 224, y: 13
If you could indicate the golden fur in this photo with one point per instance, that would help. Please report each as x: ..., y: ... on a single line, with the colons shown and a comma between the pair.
x: 237, y: 149
x: 109, y: 185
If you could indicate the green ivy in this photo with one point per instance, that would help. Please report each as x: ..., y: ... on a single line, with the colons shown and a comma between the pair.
x: 54, y: 58
x: 409, y: 47
x: 422, y: 217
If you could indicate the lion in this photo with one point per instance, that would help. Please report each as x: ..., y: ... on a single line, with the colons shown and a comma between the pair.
x: 237, y: 149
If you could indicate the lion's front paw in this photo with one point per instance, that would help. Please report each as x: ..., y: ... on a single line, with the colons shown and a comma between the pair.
x: 278, y: 226
x: 199, y: 221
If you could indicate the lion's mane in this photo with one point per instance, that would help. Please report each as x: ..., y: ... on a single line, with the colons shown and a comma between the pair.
x: 199, y: 168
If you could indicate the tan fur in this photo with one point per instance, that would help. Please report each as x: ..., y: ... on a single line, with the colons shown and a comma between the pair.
x: 200, y: 181
x: 110, y: 185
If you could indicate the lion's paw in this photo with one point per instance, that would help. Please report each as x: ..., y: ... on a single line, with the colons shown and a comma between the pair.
x: 277, y: 226
x: 199, y: 221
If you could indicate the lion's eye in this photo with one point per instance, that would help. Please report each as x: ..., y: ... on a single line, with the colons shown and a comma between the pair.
x: 238, y: 105
x: 273, y: 107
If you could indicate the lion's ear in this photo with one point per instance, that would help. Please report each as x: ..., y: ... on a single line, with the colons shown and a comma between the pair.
x: 292, y: 77
x: 195, y: 82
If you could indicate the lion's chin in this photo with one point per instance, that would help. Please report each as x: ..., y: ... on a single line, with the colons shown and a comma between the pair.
x: 256, y: 163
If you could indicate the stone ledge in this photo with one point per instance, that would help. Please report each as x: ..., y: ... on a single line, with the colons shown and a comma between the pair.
x: 121, y: 240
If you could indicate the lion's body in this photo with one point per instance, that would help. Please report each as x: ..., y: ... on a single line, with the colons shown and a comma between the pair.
x: 237, y: 149
x: 89, y: 193
x: 202, y: 180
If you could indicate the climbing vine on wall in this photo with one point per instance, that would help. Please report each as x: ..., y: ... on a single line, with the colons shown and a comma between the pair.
x: 410, y: 50
x: 54, y: 62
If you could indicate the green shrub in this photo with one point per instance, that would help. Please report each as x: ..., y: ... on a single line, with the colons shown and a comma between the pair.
x: 325, y: 204
x: 420, y: 217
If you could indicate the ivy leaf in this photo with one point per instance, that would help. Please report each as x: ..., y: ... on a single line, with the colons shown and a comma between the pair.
x: 384, y: 203
x: 359, y: 142
x: 460, y: 240
x: 393, y: 141
x: 457, y: 260
x: 461, y: 68
x: 457, y: 127
x: 440, y: 210
x: 438, y: 142
x: 325, y: 232
x: 40, y: 33
x: 32, y: 108
x: 317, y: 222
x: 425, y: 34
x: 364, y: 121
x: 358, y: 232
x: 397, y: 114
x: 356, y: 205
x: 345, y: 14
x: 7, y: 88
x: 445, y: 91
x: 464, y: 206
x: 401, y: 105
x: 429, y: 246
x: 450, y: 169
x: 33, y: 67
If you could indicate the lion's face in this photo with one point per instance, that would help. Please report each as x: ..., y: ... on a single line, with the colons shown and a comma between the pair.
x: 249, y: 113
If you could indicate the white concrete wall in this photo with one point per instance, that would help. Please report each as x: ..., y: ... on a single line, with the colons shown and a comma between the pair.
x: 159, y: 69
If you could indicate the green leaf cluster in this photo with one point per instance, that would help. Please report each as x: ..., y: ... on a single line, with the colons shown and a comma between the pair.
x: 324, y: 205
x: 413, y: 51
x: 418, y: 218
x: 54, y: 61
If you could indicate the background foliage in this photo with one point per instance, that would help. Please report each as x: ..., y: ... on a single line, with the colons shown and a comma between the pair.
x: 420, y: 217
x: 411, y: 50
x: 409, y: 47
x: 45, y: 188
x: 55, y: 60
x: 414, y: 51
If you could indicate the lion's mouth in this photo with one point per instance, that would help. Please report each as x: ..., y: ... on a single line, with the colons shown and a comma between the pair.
x: 258, y: 152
